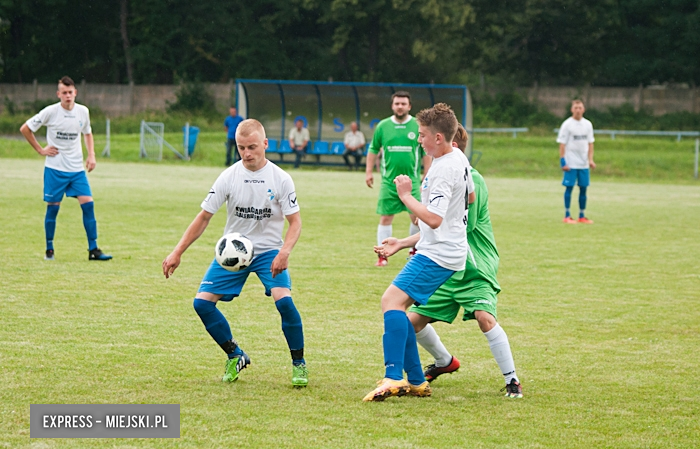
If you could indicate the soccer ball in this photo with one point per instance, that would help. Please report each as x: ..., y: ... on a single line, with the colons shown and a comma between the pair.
x: 234, y: 252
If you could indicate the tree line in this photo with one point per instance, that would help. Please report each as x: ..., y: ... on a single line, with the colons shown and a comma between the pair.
x: 550, y: 42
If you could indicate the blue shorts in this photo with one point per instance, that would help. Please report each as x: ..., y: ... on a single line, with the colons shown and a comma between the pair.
x: 230, y: 283
x: 57, y: 183
x: 582, y: 175
x: 420, y: 278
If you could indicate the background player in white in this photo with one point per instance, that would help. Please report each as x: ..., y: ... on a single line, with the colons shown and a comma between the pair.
x: 475, y: 289
x: 441, y: 249
x: 576, y: 159
x: 259, y: 196
x: 63, y: 170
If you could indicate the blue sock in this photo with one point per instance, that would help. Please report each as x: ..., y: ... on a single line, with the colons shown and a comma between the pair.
x: 411, y: 363
x: 582, y: 200
x: 90, y: 224
x: 567, y: 199
x: 50, y: 224
x: 394, y: 340
x: 217, y: 326
x: 292, y: 328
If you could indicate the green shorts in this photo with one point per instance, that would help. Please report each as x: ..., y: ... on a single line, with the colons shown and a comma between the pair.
x: 473, y: 295
x: 389, y: 202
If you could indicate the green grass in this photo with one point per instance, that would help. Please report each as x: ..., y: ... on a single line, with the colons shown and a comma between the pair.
x: 628, y: 159
x: 602, y: 319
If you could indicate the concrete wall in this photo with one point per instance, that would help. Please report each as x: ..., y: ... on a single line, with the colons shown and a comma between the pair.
x: 657, y: 99
x: 121, y: 99
x: 113, y: 99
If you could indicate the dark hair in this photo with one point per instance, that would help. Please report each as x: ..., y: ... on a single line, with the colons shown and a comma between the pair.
x: 402, y: 94
x: 66, y: 81
x: 440, y: 119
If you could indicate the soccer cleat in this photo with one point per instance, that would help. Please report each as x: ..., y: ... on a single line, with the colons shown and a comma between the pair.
x: 234, y: 367
x: 387, y: 388
x: 569, y: 220
x: 381, y: 262
x: 300, y: 376
x: 49, y: 255
x: 432, y: 372
x: 97, y: 254
x: 513, y: 389
x: 585, y: 220
x: 422, y: 391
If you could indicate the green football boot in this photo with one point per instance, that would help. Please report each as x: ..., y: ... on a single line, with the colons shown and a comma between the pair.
x: 300, y: 376
x: 234, y: 367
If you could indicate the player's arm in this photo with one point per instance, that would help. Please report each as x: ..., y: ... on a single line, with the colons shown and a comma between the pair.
x: 562, y: 158
x: 590, y: 155
x: 91, y: 162
x: 49, y: 150
x: 392, y: 245
x: 281, y: 261
x: 370, y: 160
x: 194, y: 230
x: 403, y: 189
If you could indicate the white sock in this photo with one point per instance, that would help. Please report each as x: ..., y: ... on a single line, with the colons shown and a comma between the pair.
x: 413, y: 229
x: 383, y: 233
x: 430, y: 341
x: 500, y: 348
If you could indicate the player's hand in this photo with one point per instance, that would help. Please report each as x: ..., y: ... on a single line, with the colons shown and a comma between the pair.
x: 404, y: 185
x: 170, y: 264
x: 280, y: 263
x: 388, y: 248
x: 369, y: 180
x: 49, y: 150
x: 592, y: 164
x: 90, y: 163
x: 566, y: 168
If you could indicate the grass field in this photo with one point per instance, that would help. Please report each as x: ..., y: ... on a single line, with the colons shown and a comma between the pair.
x: 603, y: 320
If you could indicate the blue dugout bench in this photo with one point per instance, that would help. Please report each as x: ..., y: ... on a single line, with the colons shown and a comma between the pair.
x: 319, y: 153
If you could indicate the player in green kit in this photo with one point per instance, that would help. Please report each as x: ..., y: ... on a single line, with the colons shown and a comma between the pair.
x: 474, y: 289
x: 398, y: 137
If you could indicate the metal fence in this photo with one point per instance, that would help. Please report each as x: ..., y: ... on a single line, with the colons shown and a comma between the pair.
x: 623, y: 132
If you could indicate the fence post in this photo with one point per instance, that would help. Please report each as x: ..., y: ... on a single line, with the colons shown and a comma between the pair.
x: 697, y: 153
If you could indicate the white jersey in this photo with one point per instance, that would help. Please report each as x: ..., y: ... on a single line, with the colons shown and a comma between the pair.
x: 63, y: 129
x: 256, y: 201
x: 445, y: 191
x: 576, y: 135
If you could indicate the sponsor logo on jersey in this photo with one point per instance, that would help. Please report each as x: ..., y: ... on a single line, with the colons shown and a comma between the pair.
x: 425, y: 183
x: 254, y: 181
x: 270, y: 194
x: 411, y: 135
x: 253, y: 213
x: 399, y: 148
x: 293, y: 199
x: 211, y: 192
x: 66, y: 136
x: 580, y: 137
x: 436, y: 199
x: 68, y: 116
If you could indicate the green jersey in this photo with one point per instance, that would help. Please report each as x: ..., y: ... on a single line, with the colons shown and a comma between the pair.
x: 402, y: 152
x: 480, y: 237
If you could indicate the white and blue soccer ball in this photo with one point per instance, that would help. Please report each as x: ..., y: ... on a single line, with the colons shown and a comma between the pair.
x: 234, y: 252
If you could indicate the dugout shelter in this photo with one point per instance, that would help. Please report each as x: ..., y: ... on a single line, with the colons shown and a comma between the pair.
x: 328, y: 108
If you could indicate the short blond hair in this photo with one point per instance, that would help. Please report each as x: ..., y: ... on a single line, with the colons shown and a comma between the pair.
x: 249, y: 126
x: 461, y: 137
x: 440, y: 119
x: 578, y: 100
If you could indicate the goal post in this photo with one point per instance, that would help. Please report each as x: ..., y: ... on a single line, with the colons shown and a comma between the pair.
x: 152, y: 141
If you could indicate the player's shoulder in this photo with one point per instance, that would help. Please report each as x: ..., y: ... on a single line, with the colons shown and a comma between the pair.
x: 586, y: 122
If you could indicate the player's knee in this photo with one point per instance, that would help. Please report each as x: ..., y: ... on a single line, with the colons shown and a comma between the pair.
x: 202, y: 306
x: 486, y: 320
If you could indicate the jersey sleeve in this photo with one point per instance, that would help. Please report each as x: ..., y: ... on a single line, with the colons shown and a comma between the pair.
x: 288, y: 198
x: 563, y: 136
x: 440, y: 196
x: 43, y: 118
x: 87, y: 128
x: 217, y: 195
x: 376, y: 141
